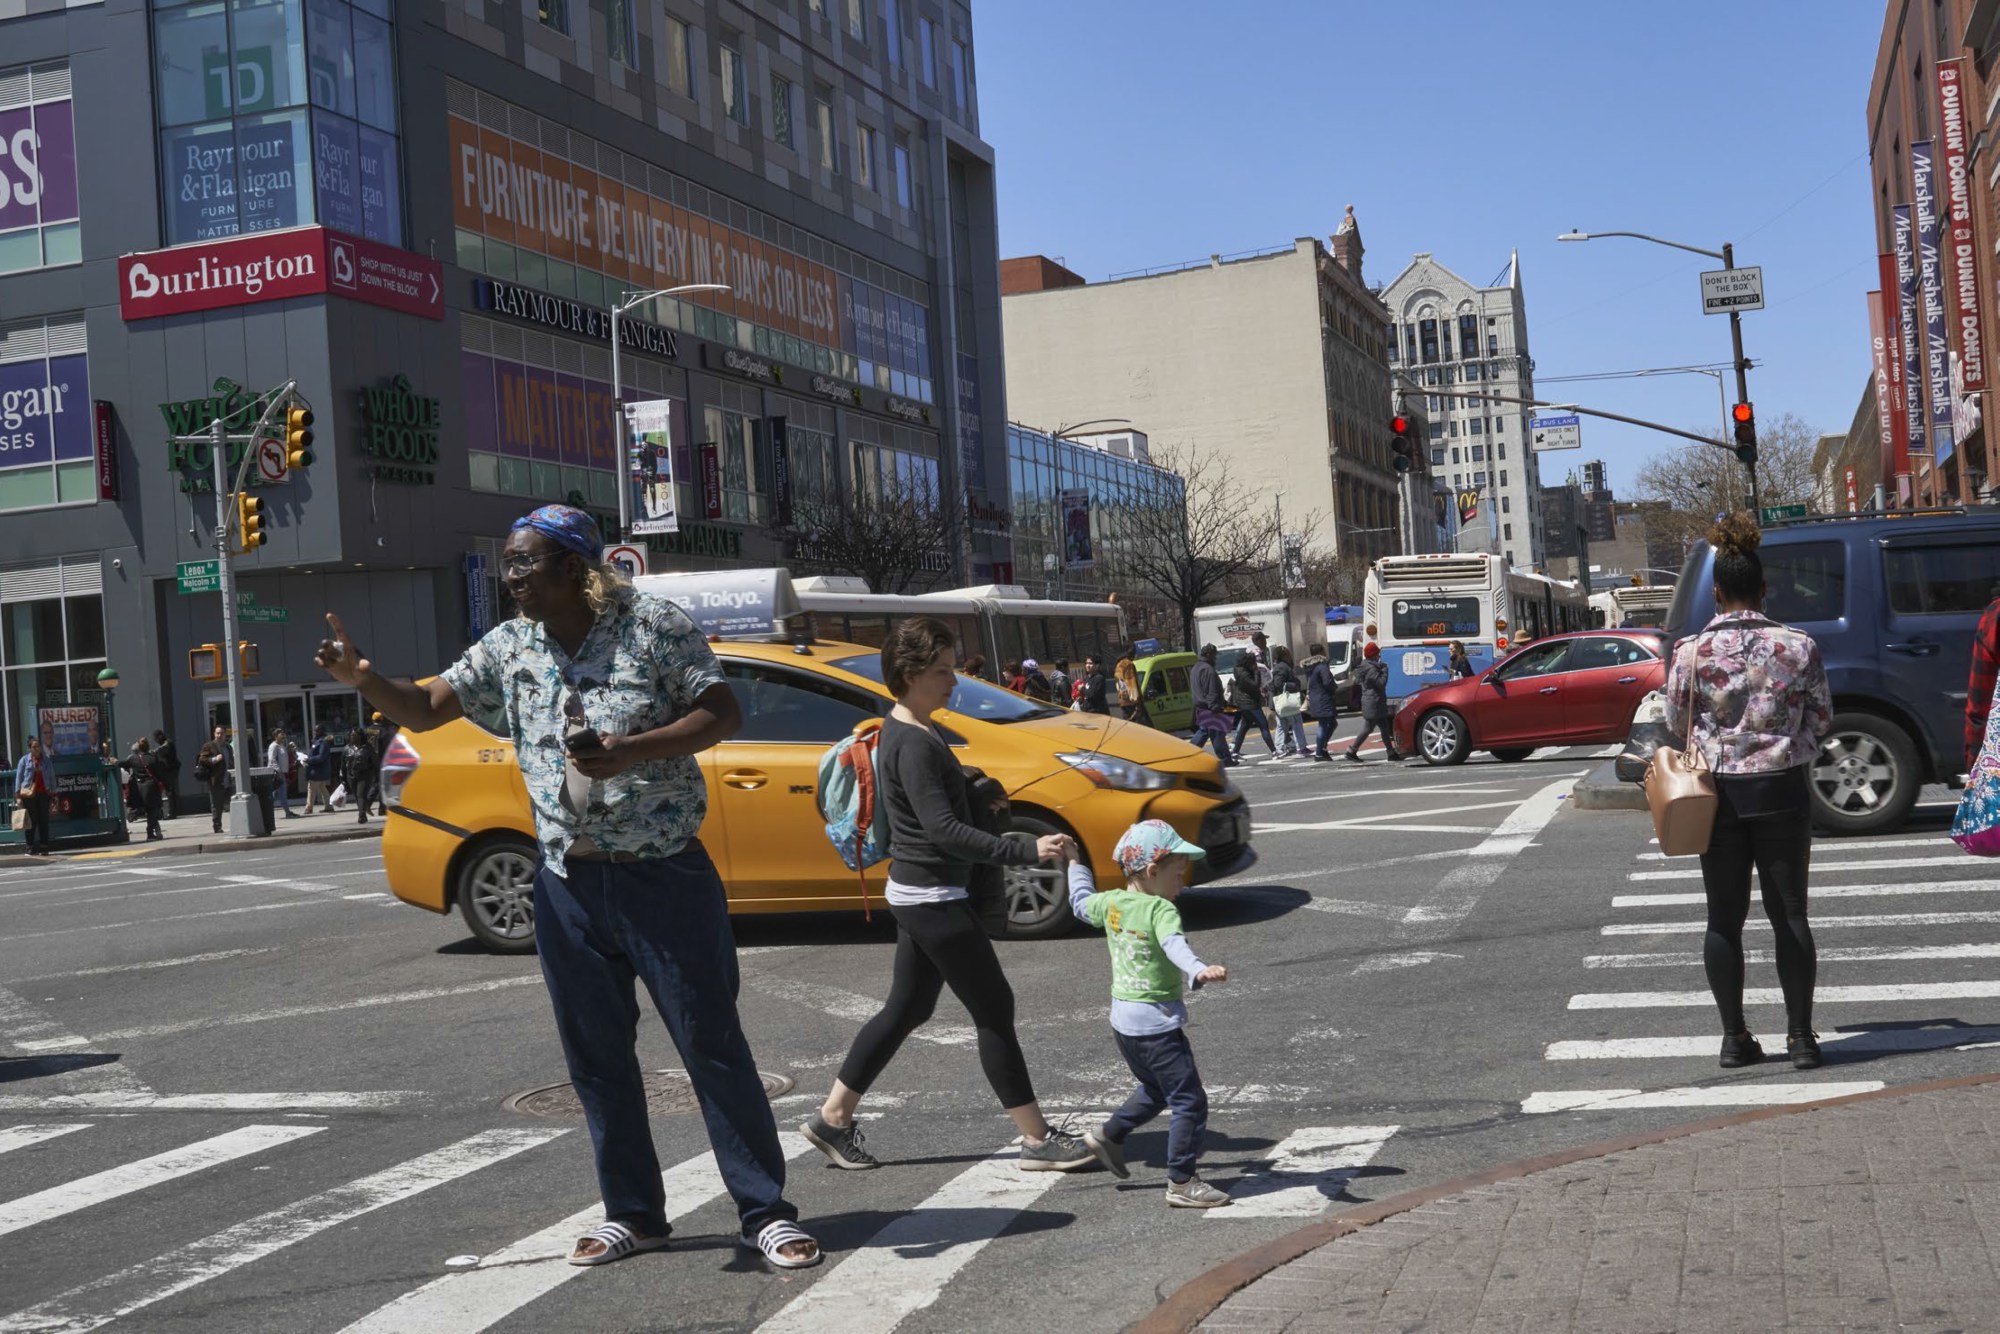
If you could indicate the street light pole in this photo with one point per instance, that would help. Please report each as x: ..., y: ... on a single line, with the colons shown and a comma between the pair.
x: 622, y: 457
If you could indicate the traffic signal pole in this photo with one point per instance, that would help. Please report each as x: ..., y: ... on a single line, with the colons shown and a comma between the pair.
x: 1742, y: 370
x: 245, y: 816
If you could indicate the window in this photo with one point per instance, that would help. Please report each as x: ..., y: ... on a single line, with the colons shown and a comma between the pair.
x: 1507, y: 531
x: 1492, y: 343
x: 39, y: 219
x: 1500, y: 447
x: 961, y: 76
x: 1807, y: 582
x: 1427, y: 334
x: 905, y: 191
x: 857, y: 20
x: 1503, y: 477
x: 823, y: 128
x: 1468, y: 335
x: 680, y: 74
x: 795, y: 708
x: 864, y: 154
x: 1535, y: 660
x: 1479, y: 480
x: 735, y: 86
x: 553, y: 14
x: 621, y: 31
x: 781, y: 111
x: 1936, y: 580
x: 927, y: 51
x: 1454, y: 430
x: 1473, y: 426
x: 1506, y: 504
x: 1478, y: 451
x: 1433, y: 401
x: 735, y: 437
x: 892, y: 34
x: 1437, y: 458
x: 1437, y: 430
x: 52, y: 647
x: 45, y: 415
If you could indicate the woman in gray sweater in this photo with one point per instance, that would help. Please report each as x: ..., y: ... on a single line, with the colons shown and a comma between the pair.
x: 933, y: 846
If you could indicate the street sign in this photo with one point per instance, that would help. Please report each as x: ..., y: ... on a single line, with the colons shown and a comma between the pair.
x: 199, y: 576
x: 630, y: 559
x: 1777, y: 513
x: 1563, y: 431
x: 254, y: 615
x: 1726, y: 290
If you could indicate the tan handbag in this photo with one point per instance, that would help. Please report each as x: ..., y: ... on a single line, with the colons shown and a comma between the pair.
x: 1680, y: 790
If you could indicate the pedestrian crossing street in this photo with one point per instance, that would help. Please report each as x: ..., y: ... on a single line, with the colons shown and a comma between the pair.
x: 1910, y: 973
x: 942, y: 1213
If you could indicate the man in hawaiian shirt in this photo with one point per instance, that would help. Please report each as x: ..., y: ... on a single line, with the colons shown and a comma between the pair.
x: 608, y: 694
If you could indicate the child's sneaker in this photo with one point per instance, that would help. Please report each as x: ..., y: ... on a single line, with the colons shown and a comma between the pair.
x: 1060, y: 1152
x: 1109, y: 1152
x: 1194, y: 1193
x: 842, y: 1144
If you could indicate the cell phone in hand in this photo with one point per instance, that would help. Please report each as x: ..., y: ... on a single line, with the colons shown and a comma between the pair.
x: 587, y: 739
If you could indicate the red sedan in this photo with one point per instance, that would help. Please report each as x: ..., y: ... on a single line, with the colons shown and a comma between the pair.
x: 1566, y: 690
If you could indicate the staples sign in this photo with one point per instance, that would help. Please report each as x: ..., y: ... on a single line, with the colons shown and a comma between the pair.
x: 274, y: 266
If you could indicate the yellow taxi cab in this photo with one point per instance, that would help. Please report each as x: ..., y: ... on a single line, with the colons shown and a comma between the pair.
x: 459, y: 832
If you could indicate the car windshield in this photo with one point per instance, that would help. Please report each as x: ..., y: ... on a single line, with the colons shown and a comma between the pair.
x: 970, y: 698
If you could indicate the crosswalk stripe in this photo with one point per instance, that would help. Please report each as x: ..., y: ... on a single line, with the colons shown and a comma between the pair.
x: 113, y: 1182
x: 1935, y: 1037
x: 516, y: 1274
x: 1722, y: 1095
x: 97, y: 1303
x: 1306, y: 1171
x: 1823, y: 892
x: 20, y: 1137
x: 150, y: 922
x: 903, y: 1267
x: 1834, y: 954
x: 1823, y: 867
x: 1823, y: 847
x: 1900, y: 991
x: 1697, y: 925
x: 144, y: 1101
x: 148, y: 965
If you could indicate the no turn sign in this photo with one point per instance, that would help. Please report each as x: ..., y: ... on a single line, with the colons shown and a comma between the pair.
x: 271, y: 461
x: 630, y: 559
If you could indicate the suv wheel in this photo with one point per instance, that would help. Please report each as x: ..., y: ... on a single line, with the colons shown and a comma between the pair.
x: 496, y: 894
x: 1037, y: 896
x: 1442, y: 738
x: 1865, y: 778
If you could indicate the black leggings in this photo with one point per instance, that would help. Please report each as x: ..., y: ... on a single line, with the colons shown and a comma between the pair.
x: 940, y: 944
x: 1772, y: 832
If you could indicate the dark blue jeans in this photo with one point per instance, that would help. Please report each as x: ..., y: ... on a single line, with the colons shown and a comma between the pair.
x: 1326, y: 726
x: 1245, y: 720
x: 666, y: 923
x: 1164, y: 1066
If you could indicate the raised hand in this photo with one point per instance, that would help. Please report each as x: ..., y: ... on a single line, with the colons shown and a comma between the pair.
x: 338, y: 657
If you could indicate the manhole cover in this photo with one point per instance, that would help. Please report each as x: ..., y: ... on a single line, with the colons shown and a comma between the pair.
x: 667, y: 1092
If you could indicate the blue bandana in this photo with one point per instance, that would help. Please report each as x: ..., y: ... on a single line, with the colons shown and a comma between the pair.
x: 568, y: 527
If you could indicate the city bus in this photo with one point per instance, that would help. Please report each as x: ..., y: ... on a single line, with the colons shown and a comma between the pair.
x: 1419, y: 604
x: 1645, y: 605
x: 1000, y: 622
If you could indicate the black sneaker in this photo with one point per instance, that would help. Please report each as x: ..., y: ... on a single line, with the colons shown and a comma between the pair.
x: 1803, y: 1048
x: 1740, y: 1049
x: 1060, y: 1152
x: 841, y: 1144
x: 1352, y: 755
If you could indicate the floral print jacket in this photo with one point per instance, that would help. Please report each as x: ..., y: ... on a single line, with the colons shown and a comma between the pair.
x: 1761, y: 702
x: 642, y: 666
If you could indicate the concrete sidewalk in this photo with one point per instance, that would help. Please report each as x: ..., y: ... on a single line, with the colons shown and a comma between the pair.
x: 1879, y: 1211
x: 192, y: 833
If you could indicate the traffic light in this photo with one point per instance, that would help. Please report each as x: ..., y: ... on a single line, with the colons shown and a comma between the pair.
x: 298, y: 437
x: 249, y: 522
x: 1403, y: 443
x: 247, y: 659
x: 1746, y: 432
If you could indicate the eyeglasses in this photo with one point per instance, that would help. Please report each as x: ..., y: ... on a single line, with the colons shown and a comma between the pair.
x: 516, y: 566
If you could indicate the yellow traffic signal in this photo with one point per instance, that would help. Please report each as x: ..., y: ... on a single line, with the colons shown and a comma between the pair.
x: 298, y: 437
x: 205, y: 663
x: 246, y: 657
x: 249, y: 522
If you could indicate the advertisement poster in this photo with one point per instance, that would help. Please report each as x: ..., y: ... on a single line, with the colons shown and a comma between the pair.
x: 38, y: 166
x: 1895, y: 445
x: 1937, y: 348
x: 709, y: 460
x: 1076, y: 530
x: 781, y: 472
x: 1468, y: 508
x: 45, y: 410
x: 1968, y: 301
x: 650, y: 424
x: 1910, y: 336
x: 971, y: 434
x: 69, y: 730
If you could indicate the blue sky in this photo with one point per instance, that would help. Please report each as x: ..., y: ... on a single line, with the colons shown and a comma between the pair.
x: 1135, y: 134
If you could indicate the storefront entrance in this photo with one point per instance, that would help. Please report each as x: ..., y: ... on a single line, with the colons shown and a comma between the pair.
x: 298, y: 709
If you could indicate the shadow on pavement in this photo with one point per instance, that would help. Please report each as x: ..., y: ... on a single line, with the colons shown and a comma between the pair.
x: 13, y: 1068
x: 1213, y: 907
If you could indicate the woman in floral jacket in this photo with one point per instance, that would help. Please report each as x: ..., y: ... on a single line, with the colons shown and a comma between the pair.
x: 1760, y: 707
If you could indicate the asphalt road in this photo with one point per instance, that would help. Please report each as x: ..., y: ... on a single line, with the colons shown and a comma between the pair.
x: 253, y: 1093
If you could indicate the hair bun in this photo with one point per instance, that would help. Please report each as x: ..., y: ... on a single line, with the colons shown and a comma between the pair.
x: 1737, y: 532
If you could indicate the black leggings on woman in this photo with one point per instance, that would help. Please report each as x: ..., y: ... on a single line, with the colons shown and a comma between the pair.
x: 1765, y: 822
x: 939, y: 945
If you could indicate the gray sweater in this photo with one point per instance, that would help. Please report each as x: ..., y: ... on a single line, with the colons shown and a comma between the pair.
x: 932, y: 840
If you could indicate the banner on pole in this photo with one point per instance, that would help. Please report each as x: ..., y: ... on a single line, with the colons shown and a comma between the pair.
x: 1885, y: 407
x: 650, y: 467
x: 709, y: 459
x: 1968, y: 300
x: 1077, y: 554
x: 1908, y: 319
x: 1292, y: 561
x: 781, y: 472
x: 1930, y: 263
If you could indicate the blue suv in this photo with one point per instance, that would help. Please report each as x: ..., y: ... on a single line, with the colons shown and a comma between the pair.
x: 1893, y: 602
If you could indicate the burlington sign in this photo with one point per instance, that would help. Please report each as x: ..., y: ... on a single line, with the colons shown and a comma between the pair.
x: 274, y: 266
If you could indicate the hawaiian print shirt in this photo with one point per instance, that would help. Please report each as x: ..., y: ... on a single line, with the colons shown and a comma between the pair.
x: 1761, y: 698
x: 642, y: 666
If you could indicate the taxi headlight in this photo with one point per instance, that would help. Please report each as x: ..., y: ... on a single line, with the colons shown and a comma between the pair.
x: 1112, y: 772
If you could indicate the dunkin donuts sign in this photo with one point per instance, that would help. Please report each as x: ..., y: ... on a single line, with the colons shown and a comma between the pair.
x: 272, y: 266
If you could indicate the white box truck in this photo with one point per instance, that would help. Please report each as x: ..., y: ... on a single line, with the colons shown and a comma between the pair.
x: 1293, y: 622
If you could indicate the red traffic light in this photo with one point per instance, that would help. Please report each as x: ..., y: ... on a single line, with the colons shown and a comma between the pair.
x: 1741, y: 412
x: 1400, y: 425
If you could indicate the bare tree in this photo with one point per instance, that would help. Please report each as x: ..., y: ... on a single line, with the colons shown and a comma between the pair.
x: 1699, y: 481
x: 1187, y: 546
x: 908, y: 535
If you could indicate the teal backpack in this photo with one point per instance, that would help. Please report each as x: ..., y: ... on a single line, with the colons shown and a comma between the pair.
x: 856, y: 823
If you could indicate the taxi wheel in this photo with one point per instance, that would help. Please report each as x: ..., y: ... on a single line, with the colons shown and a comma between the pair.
x: 1037, y: 896
x: 496, y: 894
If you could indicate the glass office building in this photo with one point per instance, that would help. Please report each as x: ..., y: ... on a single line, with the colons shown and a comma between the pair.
x: 1106, y: 477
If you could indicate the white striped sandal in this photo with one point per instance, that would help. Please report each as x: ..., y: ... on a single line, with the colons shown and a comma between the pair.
x: 614, y: 1241
x: 776, y: 1236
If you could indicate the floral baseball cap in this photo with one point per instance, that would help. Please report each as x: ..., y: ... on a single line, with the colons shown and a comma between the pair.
x: 1145, y: 843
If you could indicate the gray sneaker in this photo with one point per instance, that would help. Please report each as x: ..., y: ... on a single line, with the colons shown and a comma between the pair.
x: 1108, y: 1151
x: 842, y: 1144
x: 1060, y: 1152
x: 1194, y: 1193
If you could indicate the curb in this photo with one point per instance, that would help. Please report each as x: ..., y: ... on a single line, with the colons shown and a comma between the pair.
x: 1197, y: 1299
x: 1603, y: 790
x: 218, y: 844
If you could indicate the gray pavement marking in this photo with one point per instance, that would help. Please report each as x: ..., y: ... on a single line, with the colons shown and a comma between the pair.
x: 1363, y: 821
x: 1823, y: 847
x: 1485, y: 789
x: 1382, y: 963
x: 28, y: 1029
x: 850, y: 1005
x: 1699, y: 925
x: 1826, y: 954
x: 211, y: 957
x: 97, y: 1303
x: 1305, y: 1172
x: 1445, y: 854
x: 1820, y: 891
x: 20, y: 1137
x: 1887, y: 992
x: 1824, y: 867
x: 1749, y: 1094
x: 212, y: 1102
x: 1459, y: 891
x: 156, y: 921
x: 1871, y: 1039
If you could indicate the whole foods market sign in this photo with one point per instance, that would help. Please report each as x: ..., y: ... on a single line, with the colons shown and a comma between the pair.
x: 399, y: 433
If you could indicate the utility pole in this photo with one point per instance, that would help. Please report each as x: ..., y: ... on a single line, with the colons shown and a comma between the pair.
x: 1742, y: 370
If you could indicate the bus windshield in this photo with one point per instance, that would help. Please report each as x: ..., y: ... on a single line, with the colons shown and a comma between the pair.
x: 970, y: 698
